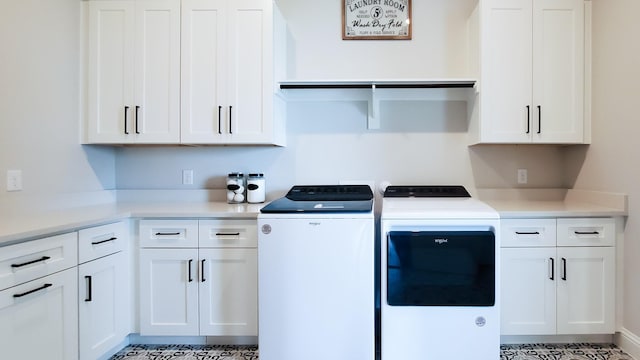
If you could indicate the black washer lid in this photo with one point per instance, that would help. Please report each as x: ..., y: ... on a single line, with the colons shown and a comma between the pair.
x: 330, y: 193
x: 426, y: 191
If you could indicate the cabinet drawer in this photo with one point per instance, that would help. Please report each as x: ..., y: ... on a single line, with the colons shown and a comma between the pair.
x: 228, y: 233
x: 168, y: 233
x: 33, y: 259
x: 102, y: 240
x: 586, y: 232
x: 528, y: 232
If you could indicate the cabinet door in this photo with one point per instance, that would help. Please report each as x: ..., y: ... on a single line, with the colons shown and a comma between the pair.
x: 558, y: 71
x: 103, y: 304
x: 249, y: 114
x: 39, y: 319
x: 528, y: 294
x: 506, y: 76
x: 156, y: 108
x: 204, y: 42
x: 110, y: 71
x: 229, y: 292
x: 586, y: 290
x: 168, y: 292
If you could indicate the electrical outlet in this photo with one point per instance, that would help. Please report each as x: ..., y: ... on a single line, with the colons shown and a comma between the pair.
x: 187, y: 177
x: 14, y: 180
x: 522, y: 176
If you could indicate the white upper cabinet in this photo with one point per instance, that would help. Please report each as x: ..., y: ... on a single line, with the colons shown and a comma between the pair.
x: 228, y: 72
x: 133, y: 72
x: 532, y: 71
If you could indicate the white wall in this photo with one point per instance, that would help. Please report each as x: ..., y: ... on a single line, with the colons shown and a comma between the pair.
x: 39, y: 103
x: 611, y: 163
x: 327, y: 142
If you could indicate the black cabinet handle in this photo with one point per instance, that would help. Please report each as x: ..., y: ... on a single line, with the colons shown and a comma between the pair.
x: 586, y: 233
x: 539, y: 119
x: 89, y: 291
x: 528, y: 119
x: 219, y: 119
x: 137, y: 130
x: 104, y: 241
x: 44, y: 258
x: 190, y: 277
x: 202, y: 271
x: 527, y: 233
x: 230, y: 119
x: 32, y: 291
x: 167, y: 233
x: 553, y: 269
x: 126, y: 125
x: 228, y: 234
x: 564, y: 269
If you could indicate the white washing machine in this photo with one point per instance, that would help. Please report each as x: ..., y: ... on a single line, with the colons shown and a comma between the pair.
x: 439, y: 275
x: 316, y: 275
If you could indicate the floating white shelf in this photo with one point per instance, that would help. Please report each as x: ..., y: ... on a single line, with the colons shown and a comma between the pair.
x: 374, y: 91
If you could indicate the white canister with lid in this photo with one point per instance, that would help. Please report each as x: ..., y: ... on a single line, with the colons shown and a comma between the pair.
x: 256, y: 188
x: 235, y: 188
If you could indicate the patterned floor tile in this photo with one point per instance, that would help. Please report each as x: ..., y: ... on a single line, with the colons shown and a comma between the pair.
x: 577, y: 351
x: 580, y: 351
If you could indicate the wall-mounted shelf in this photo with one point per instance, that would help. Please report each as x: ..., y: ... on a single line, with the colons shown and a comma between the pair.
x: 374, y: 91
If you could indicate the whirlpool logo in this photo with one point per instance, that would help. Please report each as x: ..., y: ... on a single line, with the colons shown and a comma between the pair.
x: 441, y: 241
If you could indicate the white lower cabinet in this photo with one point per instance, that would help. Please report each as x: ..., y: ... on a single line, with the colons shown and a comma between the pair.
x: 102, y: 304
x: 586, y: 290
x: 200, y: 291
x: 168, y: 292
x: 228, y: 292
x: 39, y: 319
x: 528, y: 291
x: 103, y: 289
x: 563, y: 289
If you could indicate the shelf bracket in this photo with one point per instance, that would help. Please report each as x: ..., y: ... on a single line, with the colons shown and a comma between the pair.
x: 373, y: 116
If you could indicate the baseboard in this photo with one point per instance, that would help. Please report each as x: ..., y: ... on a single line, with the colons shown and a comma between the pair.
x: 192, y: 340
x: 555, y: 339
x: 629, y: 342
x: 167, y: 340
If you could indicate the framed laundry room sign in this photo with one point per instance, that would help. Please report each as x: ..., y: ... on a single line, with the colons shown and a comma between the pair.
x: 376, y: 19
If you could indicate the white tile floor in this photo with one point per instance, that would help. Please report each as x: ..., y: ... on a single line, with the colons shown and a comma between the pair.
x: 507, y: 352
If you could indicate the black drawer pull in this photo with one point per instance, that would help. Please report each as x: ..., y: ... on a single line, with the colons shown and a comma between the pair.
x: 527, y: 233
x: 126, y: 125
x: 228, y: 234
x: 202, y: 271
x: 136, y: 122
x: 44, y: 258
x: 89, y: 282
x: 167, y: 234
x: 553, y: 270
x: 539, y: 119
x: 189, y: 265
x: 564, y: 269
x: 219, y: 118
x: 104, y: 241
x: 528, y: 119
x: 586, y: 233
x: 32, y: 291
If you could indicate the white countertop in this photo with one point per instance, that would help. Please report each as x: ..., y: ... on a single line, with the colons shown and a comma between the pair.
x: 538, y: 209
x: 25, y: 226
x: 28, y: 225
